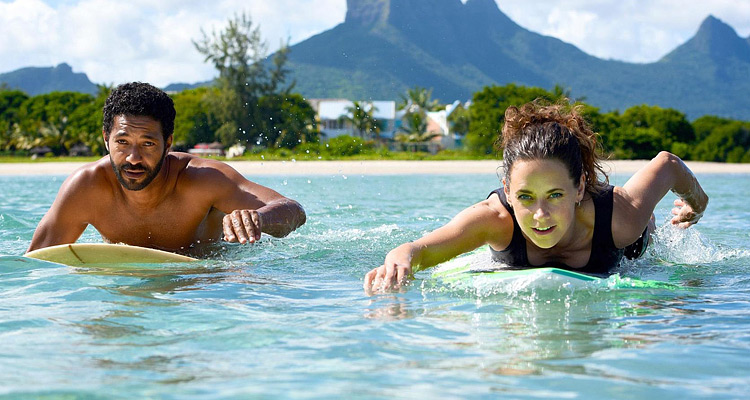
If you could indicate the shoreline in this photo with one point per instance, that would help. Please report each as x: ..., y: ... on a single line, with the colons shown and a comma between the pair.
x: 369, y: 167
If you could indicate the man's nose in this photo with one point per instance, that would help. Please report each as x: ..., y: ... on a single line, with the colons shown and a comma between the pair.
x: 134, y: 155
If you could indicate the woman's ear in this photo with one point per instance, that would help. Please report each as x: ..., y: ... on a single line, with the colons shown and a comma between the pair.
x: 581, y: 188
x: 506, y: 189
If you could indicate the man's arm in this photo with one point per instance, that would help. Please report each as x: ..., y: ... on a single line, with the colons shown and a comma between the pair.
x: 65, y: 221
x: 251, y: 208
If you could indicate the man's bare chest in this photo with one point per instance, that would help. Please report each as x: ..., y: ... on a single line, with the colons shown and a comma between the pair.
x: 170, y: 225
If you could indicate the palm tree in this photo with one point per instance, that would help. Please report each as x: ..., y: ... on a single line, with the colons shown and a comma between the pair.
x: 414, y: 131
x: 418, y: 99
x: 361, y: 116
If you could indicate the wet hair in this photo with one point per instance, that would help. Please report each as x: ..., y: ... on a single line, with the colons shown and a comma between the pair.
x: 558, y: 131
x: 139, y: 99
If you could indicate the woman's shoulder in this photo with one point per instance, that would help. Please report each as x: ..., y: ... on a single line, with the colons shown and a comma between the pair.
x: 626, y: 225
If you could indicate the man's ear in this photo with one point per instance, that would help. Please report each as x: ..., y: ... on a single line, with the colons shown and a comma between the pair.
x: 168, y: 143
x: 106, y: 142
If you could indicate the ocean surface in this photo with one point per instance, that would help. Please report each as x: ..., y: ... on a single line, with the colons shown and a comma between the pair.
x: 287, y: 318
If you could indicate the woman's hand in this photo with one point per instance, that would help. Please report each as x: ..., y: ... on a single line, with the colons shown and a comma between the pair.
x: 684, y: 214
x: 394, y: 272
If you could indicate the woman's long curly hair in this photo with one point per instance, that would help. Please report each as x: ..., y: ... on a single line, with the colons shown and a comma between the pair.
x: 553, y: 131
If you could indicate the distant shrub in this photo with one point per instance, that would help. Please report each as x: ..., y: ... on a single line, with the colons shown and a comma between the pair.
x: 345, y: 145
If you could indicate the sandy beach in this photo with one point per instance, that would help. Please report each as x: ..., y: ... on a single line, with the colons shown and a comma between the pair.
x: 370, y: 167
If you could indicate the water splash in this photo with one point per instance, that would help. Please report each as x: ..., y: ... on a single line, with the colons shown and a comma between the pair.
x: 688, y: 246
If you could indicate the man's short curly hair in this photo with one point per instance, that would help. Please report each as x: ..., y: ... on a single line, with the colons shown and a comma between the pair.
x: 140, y: 99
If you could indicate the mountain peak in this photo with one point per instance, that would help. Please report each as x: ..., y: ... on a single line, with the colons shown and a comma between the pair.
x: 63, y: 68
x: 39, y: 80
x: 412, y: 13
x: 717, y: 40
x: 367, y: 12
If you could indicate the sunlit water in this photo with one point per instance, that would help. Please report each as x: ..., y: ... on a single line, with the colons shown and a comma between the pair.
x: 287, y: 318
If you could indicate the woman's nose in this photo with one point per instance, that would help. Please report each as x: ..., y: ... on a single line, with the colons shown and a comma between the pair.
x: 541, y: 212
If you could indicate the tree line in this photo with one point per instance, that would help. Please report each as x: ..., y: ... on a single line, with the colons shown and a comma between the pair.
x: 252, y: 103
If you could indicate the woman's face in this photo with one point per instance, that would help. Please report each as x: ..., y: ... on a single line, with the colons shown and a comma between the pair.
x: 543, y: 197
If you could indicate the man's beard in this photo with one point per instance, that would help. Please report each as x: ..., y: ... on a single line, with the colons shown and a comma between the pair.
x: 150, y: 174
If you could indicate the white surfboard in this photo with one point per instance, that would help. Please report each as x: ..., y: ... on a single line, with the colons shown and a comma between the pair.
x: 78, y: 254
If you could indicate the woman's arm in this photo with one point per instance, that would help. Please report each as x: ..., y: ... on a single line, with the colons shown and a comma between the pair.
x: 635, y: 201
x: 482, y: 223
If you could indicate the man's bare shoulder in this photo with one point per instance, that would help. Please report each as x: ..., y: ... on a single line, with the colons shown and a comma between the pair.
x: 198, y: 169
x: 93, y: 173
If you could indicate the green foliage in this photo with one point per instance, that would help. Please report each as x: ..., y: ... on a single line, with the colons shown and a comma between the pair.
x: 669, y: 122
x: 727, y: 142
x: 414, y: 127
x: 290, y: 121
x: 487, y: 113
x: 248, y: 103
x: 346, y: 145
x: 61, y: 120
x: 704, y: 125
x: 459, y: 120
x: 629, y: 142
x: 10, y: 102
x: 51, y: 120
x: 194, y: 123
x: 418, y: 99
x: 362, y: 118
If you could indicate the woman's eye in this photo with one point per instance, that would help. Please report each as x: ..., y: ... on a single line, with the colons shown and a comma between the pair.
x: 524, y: 197
x: 555, y: 195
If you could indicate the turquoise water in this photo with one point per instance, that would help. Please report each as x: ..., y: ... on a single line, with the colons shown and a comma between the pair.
x: 288, y: 318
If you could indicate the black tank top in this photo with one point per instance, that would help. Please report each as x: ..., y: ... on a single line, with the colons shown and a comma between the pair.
x: 604, y: 255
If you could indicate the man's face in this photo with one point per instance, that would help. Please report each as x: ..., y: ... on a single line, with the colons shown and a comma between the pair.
x: 136, y: 150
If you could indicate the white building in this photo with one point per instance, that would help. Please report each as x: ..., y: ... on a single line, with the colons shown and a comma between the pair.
x: 331, y: 111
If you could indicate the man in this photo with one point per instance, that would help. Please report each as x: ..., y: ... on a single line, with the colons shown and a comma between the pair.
x: 144, y: 195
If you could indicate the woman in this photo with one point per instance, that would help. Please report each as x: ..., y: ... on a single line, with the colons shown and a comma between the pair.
x: 556, y: 207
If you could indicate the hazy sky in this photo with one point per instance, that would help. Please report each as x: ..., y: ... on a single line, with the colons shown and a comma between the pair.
x: 115, y: 41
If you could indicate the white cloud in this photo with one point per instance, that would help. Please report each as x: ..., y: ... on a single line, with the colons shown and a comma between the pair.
x: 114, y: 41
x: 628, y: 30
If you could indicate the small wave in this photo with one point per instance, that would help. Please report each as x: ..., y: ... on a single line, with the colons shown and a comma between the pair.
x: 689, y: 246
x: 347, y: 235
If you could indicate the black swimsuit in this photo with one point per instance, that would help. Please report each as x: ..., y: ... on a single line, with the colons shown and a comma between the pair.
x: 604, y: 255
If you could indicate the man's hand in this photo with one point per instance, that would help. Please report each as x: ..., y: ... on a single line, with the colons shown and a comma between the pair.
x: 242, y: 226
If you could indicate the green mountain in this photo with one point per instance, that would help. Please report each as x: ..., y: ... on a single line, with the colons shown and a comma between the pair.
x: 40, y: 80
x: 386, y: 46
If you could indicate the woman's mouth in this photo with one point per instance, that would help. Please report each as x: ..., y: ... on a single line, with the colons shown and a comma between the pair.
x: 544, y: 230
